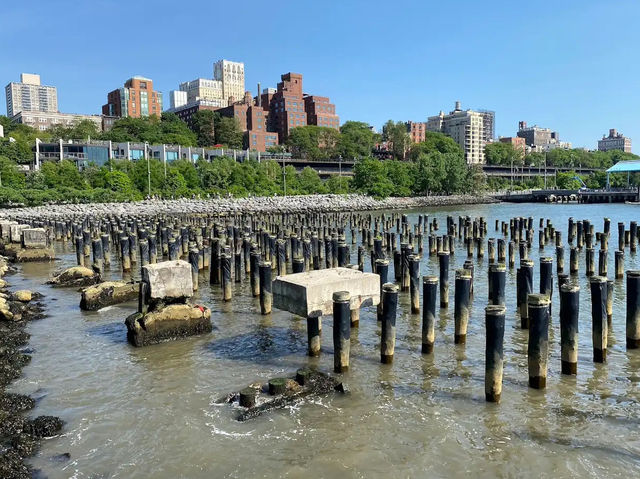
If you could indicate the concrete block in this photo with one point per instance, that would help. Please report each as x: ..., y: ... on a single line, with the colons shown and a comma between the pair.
x: 15, y: 232
x: 33, y: 238
x: 310, y: 294
x: 168, y: 280
x: 5, y: 229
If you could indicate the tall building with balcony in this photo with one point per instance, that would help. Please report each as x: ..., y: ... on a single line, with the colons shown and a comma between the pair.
x: 615, y: 141
x: 136, y: 99
x: 29, y: 95
x: 466, y: 128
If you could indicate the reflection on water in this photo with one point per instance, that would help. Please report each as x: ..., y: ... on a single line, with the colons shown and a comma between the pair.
x: 150, y: 412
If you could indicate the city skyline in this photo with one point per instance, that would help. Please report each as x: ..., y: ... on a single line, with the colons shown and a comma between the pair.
x: 549, y: 69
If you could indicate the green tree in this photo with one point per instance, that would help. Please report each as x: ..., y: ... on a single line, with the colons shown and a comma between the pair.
x: 309, y: 182
x: 370, y: 177
x: 357, y: 140
x: 228, y: 133
x: 10, y: 176
x: 504, y: 154
x: 398, y: 138
x: 203, y: 125
x: 435, y: 141
x: 314, y: 142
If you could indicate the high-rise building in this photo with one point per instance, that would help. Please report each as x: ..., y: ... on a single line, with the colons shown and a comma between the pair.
x: 203, y: 89
x: 615, y: 141
x: 467, y: 129
x: 136, y: 99
x: 417, y: 131
x: 231, y: 74
x: 489, y: 122
x: 540, y: 139
x: 321, y: 112
x: 30, y: 95
x: 287, y: 106
x: 177, y: 99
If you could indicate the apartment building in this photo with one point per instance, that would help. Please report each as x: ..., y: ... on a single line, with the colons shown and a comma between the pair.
x: 466, y: 128
x: 136, y: 99
x: 30, y: 95
x: 615, y: 141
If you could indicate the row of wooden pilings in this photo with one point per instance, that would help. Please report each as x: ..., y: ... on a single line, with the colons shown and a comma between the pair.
x: 232, y: 247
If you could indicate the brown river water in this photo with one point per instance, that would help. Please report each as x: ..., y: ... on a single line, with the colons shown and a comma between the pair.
x: 151, y: 412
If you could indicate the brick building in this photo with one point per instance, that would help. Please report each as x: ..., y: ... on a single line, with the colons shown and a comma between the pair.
x: 518, y: 143
x: 417, y: 131
x: 321, y: 112
x: 136, y: 99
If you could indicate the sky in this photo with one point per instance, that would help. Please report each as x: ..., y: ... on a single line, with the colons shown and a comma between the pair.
x: 572, y: 66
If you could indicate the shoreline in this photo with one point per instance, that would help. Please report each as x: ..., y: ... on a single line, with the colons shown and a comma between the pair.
x: 264, y: 204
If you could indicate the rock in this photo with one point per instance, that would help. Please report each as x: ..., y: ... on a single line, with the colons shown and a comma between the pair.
x: 16, y: 402
x: 168, y: 322
x: 23, y: 295
x: 15, y: 232
x: 12, y: 466
x: 108, y: 293
x: 74, y: 277
x: 5, y: 229
x: 24, y: 255
x: 25, y: 444
x: 44, y: 426
x: 34, y: 238
x: 3, y: 284
x: 168, y: 281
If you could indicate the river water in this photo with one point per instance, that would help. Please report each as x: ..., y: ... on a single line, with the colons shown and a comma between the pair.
x: 151, y: 412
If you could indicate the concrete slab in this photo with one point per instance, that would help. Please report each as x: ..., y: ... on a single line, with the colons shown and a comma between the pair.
x: 15, y: 232
x: 34, y: 238
x: 5, y: 227
x: 309, y: 294
x: 168, y: 279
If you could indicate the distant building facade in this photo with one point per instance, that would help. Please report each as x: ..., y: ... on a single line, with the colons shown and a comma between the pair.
x: 466, y: 128
x: 515, y: 141
x: 42, y: 120
x: 615, y: 141
x: 417, y: 131
x: 136, y: 99
x: 30, y: 95
x: 540, y: 139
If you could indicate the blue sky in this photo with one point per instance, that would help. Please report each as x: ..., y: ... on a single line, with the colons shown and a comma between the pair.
x: 569, y: 65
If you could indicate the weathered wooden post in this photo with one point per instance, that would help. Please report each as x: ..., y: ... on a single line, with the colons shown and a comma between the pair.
x: 125, y: 254
x: 559, y: 259
x: 546, y: 278
x: 79, y: 250
x: 266, y: 294
x: 382, y: 268
x: 569, y: 312
x: 98, y: 258
x: 193, y: 261
x: 443, y: 258
x: 497, y: 279
x: 538, y: 346
x: 414, y: 283
x: 494, y: 352
x: 461, y: 306
x: 590, y: 261
x: 429, y: 293
x: 341, y: 331
x: 598, y: 285
x: 602, y: 262
x: 633, y: 310
x: 619, y: 264
x: 225, y: 263
x: 388, y: 336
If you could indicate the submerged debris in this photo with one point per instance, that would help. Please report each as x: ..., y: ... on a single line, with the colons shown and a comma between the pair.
x: 258, y: 398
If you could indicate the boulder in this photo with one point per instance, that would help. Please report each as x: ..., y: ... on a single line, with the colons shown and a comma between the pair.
x: 24, y: 296
x: 34, y: 238
x: 75, y: 276
x: 108, y: 293
x: 168, y: 281
x: 167, y: 322
x: 25, y: 255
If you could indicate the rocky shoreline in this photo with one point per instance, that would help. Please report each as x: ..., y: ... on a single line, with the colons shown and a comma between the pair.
x: 272, y: 204
x: 19, y: 435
